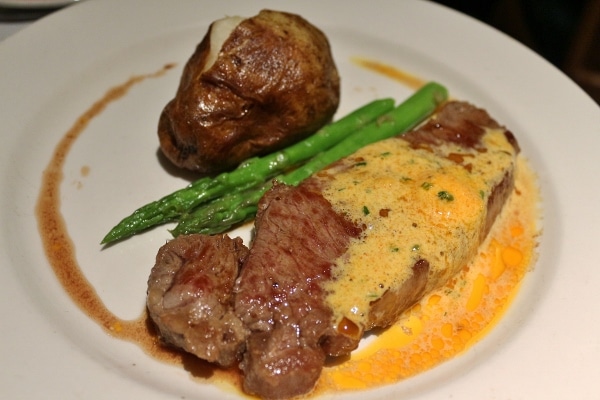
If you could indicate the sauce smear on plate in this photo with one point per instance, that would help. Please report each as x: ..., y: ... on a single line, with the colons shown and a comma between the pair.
x: 60, y: 249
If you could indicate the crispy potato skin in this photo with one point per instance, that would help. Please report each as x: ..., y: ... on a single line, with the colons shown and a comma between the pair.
x: 273, y: 83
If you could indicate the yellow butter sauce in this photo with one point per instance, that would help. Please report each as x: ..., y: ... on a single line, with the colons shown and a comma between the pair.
x: 433, y: 209
x: 453, y: 318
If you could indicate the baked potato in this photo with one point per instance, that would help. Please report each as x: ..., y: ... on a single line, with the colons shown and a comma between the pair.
x: 251, y: 87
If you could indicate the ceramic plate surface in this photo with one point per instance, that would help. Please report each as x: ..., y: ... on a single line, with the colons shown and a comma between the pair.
x: 546, y: 346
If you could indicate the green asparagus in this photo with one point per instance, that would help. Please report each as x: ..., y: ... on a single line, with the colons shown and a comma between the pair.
x: 405, y: 116
x: 234, y: 208
x: 249, y: 174
x: 223, y: 213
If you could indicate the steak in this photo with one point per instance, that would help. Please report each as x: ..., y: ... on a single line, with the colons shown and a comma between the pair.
x: 279, y: 296
x: 190, y: 296
x: 354, y: 246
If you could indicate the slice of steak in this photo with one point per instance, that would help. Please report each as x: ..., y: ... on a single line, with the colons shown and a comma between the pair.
x: 190, y: 296
x: 306, y: 235
x: 279, y: 296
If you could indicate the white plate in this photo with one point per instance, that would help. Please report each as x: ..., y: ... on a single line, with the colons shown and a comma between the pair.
x: 547, y: 345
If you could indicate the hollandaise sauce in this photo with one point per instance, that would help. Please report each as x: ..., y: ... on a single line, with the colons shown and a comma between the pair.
x: 455, y: 315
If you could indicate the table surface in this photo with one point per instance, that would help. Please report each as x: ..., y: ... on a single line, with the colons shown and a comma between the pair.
x: 14, y: 19
x: 10, y: 28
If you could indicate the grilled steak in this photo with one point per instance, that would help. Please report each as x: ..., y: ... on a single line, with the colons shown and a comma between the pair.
x: 354, y: 246
x: 190, y: 296
x: 279, y: 296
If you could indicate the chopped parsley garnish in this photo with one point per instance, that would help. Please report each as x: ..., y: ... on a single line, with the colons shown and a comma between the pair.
x: 443, y: 195
x: 427, y: 185
x: 366, y: 210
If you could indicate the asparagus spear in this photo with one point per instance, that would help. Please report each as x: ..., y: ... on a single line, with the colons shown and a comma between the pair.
x: 405, y: 116
x: 225, y: 212
x: 250, y: 173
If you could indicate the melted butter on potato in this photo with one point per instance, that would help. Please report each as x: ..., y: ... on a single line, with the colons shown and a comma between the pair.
x: 415, y: 204
x: 219, y: 32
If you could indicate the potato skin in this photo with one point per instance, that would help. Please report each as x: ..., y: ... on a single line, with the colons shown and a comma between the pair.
x: 274, y: 82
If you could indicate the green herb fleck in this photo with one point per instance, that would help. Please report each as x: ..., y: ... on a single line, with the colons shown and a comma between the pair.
x: 385, y: 154
x: 416, y: 247
x: 395, y: 249
x: 482, y: 194
x: 360, y: 164
x: 443, y: 195
x: 366, y: 210
x: 427, y: 185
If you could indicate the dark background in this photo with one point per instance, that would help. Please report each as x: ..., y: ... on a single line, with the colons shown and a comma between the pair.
x: 565, y: 32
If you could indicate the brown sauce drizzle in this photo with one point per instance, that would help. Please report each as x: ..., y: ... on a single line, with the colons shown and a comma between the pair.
x: 394, y: 73
x: 60, y: 250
